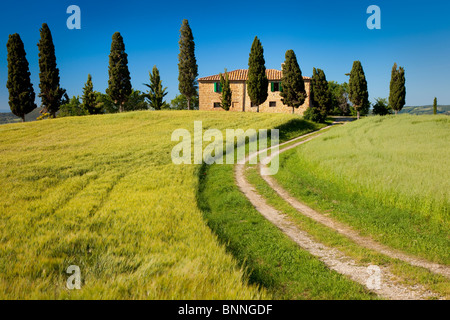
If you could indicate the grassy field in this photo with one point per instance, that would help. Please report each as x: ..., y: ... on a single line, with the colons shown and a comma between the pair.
x: 386, y: 176
x: 101, y: 192
x: 271, y: 259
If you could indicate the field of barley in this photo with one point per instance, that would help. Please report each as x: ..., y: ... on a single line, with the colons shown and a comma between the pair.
x: 101, y: 193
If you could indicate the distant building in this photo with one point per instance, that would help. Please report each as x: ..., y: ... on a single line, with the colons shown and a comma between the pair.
x: 210, y: 93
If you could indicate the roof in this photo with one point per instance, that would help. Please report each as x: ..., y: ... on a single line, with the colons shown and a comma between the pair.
x: 242, y: 75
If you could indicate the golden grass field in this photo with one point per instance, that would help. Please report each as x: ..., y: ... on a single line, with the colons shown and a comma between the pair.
x: 101, y: 192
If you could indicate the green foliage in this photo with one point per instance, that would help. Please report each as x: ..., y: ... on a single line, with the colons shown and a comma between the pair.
x: 136, y: 101
x: 293, y: 93
x: 21, y: 92
x: 73, y: 108
x: 119, y: 83
x: 339, y: 99
x: 257, y: 82
x: 397, y: 93
x: 381, y: 107
x: 104, y: 103
x: 320, y: 97
x: 435, y: 106
x: 226, y: 91
x: 156, y: 92
x: 187, y: 64
x: 180, y: 103
x: 52, y: 95
x: 89, y: 97
x: 357, y: 89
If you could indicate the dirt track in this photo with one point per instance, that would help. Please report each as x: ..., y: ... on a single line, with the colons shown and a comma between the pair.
x: 333, y: 258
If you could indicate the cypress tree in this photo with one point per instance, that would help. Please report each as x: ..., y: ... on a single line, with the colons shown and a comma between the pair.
x: 89, y: 98
x: 187, y: 64
x: 257, y: 83
x: 320, y: 97
x: 156, y: 92
x: 357, y: 86
x: 435, y: 106
x: 293, y: 87
x: 21, y: 92
x: 226, y: 91
x: 51, y: 93
x: 397, y: 92
x: 119, y: 83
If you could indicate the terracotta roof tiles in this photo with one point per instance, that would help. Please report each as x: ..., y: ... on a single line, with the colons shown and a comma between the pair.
x: 242, y: 75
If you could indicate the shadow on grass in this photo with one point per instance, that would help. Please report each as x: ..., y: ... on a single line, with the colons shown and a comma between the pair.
x: 268, y: 257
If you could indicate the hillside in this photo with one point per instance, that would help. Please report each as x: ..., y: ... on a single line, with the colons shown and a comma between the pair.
x: 424, y: 110
x: 102, y: 193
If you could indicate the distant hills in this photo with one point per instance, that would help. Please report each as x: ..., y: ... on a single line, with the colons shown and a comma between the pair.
x: 425, y: 110
x: 8, y: 117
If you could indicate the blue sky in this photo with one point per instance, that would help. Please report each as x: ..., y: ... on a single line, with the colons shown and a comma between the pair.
x: 324, y: 34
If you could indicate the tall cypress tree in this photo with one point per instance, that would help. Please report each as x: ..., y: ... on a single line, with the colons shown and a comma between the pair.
x: 397, y: 92
x: 51, y: 93
x: 226, y: 91
x: 293, y: 92
x: 320, y: 97
x: 156, y: 92
x: 89, y: 98
x: 21, y: 92
x: 435, y: 106
x: 119, y: 83
x: 187, y: 64
x: 257, y: 83
x: 357, y: 88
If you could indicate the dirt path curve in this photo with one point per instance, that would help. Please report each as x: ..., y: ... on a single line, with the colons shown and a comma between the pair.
x: 343, y: 228
x: 389, y: 287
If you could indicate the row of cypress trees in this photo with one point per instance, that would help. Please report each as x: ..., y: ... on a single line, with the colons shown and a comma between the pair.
x: 21, y: 92
x: 22, y: 95
x: 293, y: 88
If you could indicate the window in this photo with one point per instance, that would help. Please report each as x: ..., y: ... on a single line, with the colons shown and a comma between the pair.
x: 272, y: 104
x: 216, y: 104
x: 275, y: 86
x: 217, y: 87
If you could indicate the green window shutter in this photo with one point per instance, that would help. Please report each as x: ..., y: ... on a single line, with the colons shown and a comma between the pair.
x: 281, y: 88
x: 220, y: 87
x: 272, y: 87
x: 215, y: 86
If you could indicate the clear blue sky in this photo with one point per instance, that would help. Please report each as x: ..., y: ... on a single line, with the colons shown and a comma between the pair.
x: 324, y: 34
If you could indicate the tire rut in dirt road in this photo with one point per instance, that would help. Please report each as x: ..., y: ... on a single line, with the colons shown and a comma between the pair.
x: 333, y: 258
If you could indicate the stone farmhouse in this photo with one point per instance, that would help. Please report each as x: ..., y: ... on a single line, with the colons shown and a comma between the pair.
x: 210, y: 93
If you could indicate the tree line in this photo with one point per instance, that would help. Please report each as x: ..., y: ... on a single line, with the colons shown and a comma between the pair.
x: 119, y: 95
x: 326, y: 97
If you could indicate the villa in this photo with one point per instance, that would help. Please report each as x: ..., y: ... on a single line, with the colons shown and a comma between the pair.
x: 210, y: 93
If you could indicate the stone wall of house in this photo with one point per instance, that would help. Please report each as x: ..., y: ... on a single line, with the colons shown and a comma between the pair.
x: 240, y: 98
